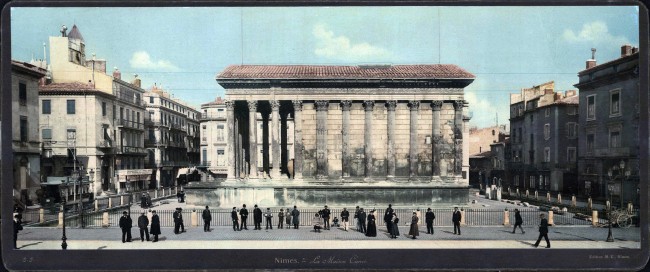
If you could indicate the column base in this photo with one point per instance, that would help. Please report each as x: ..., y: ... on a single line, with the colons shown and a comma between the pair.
x: 390, y: 178
x: 368, y: 179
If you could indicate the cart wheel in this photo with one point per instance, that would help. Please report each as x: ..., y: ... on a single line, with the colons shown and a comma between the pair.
x: 624, y: 221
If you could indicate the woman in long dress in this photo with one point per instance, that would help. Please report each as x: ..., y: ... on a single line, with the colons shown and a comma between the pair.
x: 394, y: 230
x: 414, y: 226
x: 371, y: 231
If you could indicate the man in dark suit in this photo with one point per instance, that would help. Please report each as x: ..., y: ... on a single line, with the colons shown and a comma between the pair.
x: 388, y: 216
x: 244, y: 215
x: 345, y: 217
x: 428, y: 217
x: 356, y: 218
x: 257, y: 218
x: 543, y: 231
x: 125, y: 225
x: 362, y: 220
x: 233, y: 216
x: 143, y: 224
x: 455, y: 218
x: 326, y: 218
x: 207, y: 217
x: 295, y: 215
x: 18, y: 226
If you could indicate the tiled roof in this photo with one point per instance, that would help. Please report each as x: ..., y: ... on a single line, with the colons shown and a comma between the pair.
x: 29, y: 67
x: 75, y: 34
x: 338, y: 72
x: 607, y: 63
x: 569, y: 100
x: 72, y: 86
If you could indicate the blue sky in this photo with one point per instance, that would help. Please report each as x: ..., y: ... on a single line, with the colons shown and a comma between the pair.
x: 507, y: 48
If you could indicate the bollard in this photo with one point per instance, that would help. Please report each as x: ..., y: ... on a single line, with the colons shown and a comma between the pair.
x: 462, y: 217
x: 573, y: 201
x: 195, y: 219
x: 548, y: 197
x: 176, y: 189
x: 60, y: 219
x: 96, y: 205
x: 559, y: 198
x: 527, y: 193
x: 536, y: 195
x: 41, y: 215
x: 589, y: 204
x: 110, y: 202
x: 594, y: 218
x: 105, y: 223
x: 506, y: 218
x: 155, y: 193
x: 550, y: 218
x: 630, y: 207
x: 122, y: 200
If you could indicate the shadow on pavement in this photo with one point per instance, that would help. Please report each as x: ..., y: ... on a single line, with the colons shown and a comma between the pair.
x: 26, y: 245
x: 101, y: 247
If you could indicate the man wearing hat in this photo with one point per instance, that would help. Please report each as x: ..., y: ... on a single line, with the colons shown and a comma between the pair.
x: 235, y: 222
x: 428, y: 217
x: 326, y: 218
x: 268, y: 215
x: 207, y: 217
x: 257, y: 218
x: 243, y: 212
x: 125, y: 225
x: 155, y: 226
x: 143, y: 224
x: 178, y: 221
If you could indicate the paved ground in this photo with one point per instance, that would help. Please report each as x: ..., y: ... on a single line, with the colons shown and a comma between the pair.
x: 225, y: 237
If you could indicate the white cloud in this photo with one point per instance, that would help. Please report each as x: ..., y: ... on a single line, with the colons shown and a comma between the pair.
x: 142, y: 60
x: 596, y: 32
x: 340, y: 47
x: 484, y: 112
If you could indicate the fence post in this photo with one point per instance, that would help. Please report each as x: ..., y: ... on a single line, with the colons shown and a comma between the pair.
x: 195, y: 219
x: 506, y: 218
x: 60, y: 220
x: 589, y: 203
x: 594, y: 218
x: 573, y: 201
x: 559, y: 198
x: 462, y: 217
x: 41, y: 215
x: 105, y: 223
x: 550, y: 218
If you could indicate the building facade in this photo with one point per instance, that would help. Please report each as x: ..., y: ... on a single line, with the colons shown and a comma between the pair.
x: 362, y: 134
x: 544, y: 139
x: 480, y: 139
x: 609, y: 128
x: 25, y: 141
x: 172, y: 141
x: 94, y: 117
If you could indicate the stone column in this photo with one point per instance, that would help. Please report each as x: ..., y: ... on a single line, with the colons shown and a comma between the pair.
x: 413, y: 142
x: 297, y: 139
x: 252, y: 133
x: 436, y: 106
x: 265, y: 145
x: 345, y: 131
x: 237, y: 149
x: 321, y: 138
x: 230, y: 119
x: 390, y: 106
x: 367, y: 137
x: 275, y: 140
x: 458, y: 136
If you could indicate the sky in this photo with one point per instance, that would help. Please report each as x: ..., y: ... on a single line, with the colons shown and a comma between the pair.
x: 183, y: 49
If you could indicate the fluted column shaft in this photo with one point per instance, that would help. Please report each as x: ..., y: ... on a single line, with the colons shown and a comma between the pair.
x: 436, y: 106
x: 275, y: 139
x: 297, y: 139
x: 345, y: 131
x: 367, y: 137
x: 390, y: 106
x: 252, y: 133
x: 230, y: 118
x: 321, y: 139
x: 413, y: 140
x: 458, y: 136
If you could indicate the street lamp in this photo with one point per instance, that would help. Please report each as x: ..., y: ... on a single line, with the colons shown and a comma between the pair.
x: 64, y: 245
x: 610, y: 188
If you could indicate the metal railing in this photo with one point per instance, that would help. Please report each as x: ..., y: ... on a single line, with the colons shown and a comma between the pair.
x: 129, y: 123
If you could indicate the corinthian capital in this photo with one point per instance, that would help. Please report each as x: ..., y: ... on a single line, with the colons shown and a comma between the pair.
x: 414, y: 105
x: 436, y: 105
x: 297, y: 105
x: 252, y: 105
x: 230, y: 105
x: 458, y: 104
x: 345, y: 105
x: 275, y: 105
x: 368, y: 104
x: 391, y: 104
x: 321, y: 105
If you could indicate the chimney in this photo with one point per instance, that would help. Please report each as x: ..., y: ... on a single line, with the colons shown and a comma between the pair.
x: 626, y: 50
x: 570, y: 93
x: 548, y: 91
x: 557, y: 96
x: 136, y: 81
x: 635, y: 49
x: 591, y: 63
x: 116, y: 73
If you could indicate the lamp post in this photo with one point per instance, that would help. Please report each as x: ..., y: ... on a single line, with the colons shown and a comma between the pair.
x: 64, y: 245
x: 610, y: 188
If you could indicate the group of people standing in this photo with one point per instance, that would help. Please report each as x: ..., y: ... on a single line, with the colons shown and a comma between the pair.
x: 292, y: 218
x: 143, y: 224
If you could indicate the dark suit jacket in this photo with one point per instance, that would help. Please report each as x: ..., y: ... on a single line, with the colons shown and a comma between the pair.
x: 456, y: 216
x: 429, y: 216
x: 243, y: 212
x: 206, y: 215
x: 543, y: 226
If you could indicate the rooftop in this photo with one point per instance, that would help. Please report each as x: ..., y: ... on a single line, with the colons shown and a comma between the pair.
x: 336, y: 72
x: 70, y: 87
